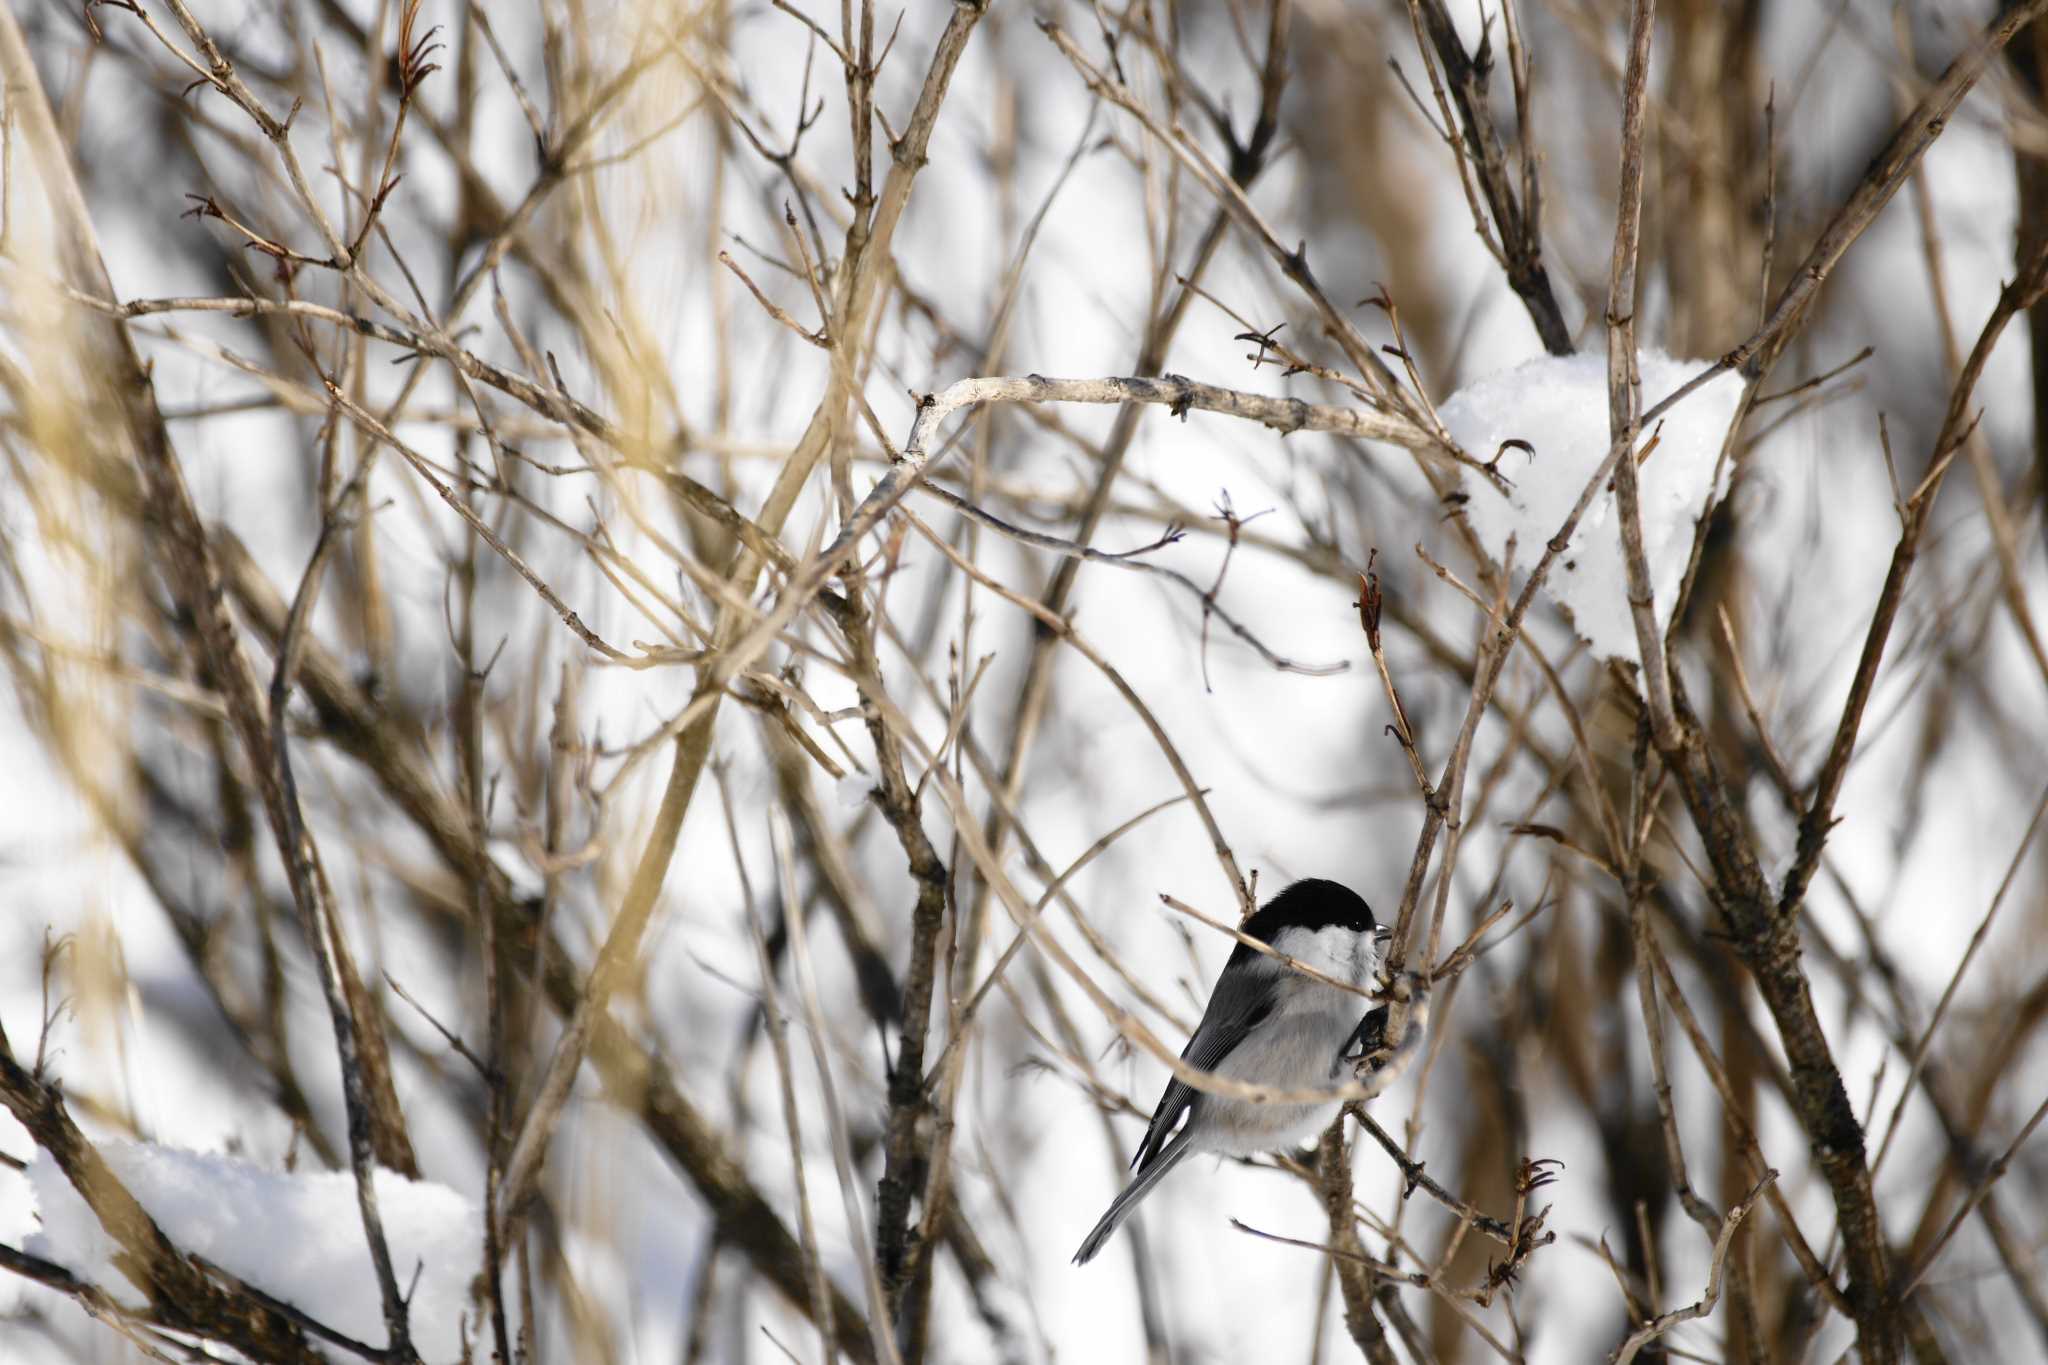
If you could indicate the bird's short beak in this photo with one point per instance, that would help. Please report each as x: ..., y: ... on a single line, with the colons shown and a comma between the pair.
x: 1381, y: 934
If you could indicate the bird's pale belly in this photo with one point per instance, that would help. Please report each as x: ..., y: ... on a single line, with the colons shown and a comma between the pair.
x: 1291, y: 1054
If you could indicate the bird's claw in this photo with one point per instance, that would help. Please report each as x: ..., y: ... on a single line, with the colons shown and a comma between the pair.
x: 1366, y: 1064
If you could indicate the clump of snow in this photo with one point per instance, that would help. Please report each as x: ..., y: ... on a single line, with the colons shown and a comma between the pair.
x: 1558, y: 404
x: 297, y: 1237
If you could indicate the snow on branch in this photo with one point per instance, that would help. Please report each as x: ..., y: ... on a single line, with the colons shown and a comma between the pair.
x: 1544, y: 424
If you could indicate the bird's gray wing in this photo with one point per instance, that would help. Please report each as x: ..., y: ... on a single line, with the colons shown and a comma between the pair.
x: 1242, y: 999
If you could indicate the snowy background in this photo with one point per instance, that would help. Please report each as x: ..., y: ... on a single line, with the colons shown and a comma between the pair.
x: 185, y: 1017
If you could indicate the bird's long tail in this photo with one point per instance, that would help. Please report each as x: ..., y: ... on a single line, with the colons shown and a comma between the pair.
x: 1140, y: 1186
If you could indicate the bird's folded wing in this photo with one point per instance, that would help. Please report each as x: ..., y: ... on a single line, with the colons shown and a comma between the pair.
x: 1242, y: 999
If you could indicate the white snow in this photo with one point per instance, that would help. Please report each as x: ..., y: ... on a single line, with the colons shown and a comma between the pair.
x: 297, y: 1237
x: 1558, y: 404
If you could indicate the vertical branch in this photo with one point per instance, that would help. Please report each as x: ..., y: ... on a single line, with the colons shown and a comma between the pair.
x: 1355, y: 1277
x: 1765, y: 928
x: 1623, y: 399
x: 347, y: 1003
x: 909, y: 1104
x: 469, y: 740
x: 1369, y: 605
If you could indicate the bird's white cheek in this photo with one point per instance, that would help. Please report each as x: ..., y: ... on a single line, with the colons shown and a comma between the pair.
x: 1322, y: 950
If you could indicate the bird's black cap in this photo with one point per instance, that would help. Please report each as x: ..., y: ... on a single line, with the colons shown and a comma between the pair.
x: 1312, y: 904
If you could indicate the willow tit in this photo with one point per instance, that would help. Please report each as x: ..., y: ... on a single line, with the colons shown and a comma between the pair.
x: 1267, y: 1025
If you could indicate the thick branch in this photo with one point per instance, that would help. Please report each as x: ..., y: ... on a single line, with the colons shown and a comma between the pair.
x: 1355, y: 1275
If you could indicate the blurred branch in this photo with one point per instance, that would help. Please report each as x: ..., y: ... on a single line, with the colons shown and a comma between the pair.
x: 641, y: 1082
x: 376, y: 1125
x: 1897, y: 159
x: 1917, y: 1057
x: 879, y: 1315
x: 1991, y: 1176
x: 785, y: 1071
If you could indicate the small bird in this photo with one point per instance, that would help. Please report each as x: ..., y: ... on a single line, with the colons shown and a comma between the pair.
x: 1266, y: 1025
